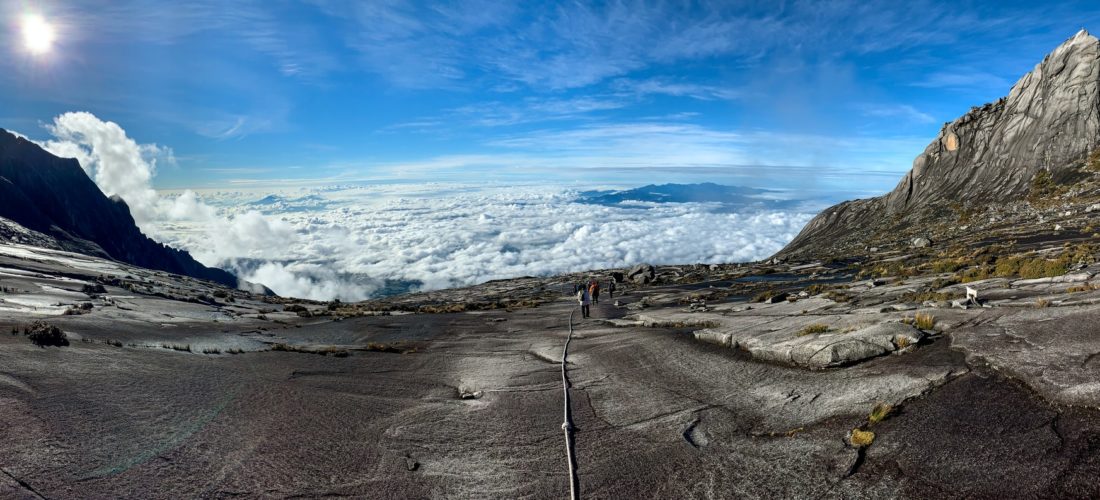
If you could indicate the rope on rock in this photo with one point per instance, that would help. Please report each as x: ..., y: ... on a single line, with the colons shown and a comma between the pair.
x: 567, y: 423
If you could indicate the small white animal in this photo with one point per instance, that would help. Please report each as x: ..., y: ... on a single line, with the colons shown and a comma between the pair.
x: 971, y: 295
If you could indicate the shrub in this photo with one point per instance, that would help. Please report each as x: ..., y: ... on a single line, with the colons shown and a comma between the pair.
x: 813, y: 329
x: 816, y: 288
x: 43, y: 334
x: 93, y: 289
x: 921, y: 297
x: 1092, y: 164
x: 947, y: 266
x: 1037, y: 267
x: 1042, y: 187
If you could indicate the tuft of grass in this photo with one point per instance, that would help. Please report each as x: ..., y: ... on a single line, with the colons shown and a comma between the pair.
x: 177, y: 347
x: 1087, y: 287
x: 921, y: 297
x: 879, y: 413
x: 860, y: 438
x: 813, y: 329
x: 924, y: 321
x: 324, y: 351
x: 901, y: 341
x: 1041, y: 303
x: 211, y: 350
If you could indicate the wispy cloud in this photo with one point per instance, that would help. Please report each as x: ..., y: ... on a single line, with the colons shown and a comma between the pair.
x: 964, y: 78
x: 662, y: 86
x: 903, y: 111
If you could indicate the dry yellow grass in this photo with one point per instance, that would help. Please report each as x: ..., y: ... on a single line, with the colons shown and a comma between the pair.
x: 1041, y: 303
x: 1086, y: 287
x: 924, y: 321
x: 879, y: 413
x: 812, y: 329
x: 901, y: 341
x: 861, y: 438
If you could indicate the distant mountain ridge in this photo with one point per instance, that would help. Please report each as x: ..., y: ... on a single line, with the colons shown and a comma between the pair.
x: 54, y: 196
x: 735, y: 197
x: 1043, y: 131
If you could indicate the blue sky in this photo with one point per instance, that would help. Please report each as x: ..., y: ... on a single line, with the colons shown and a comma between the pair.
x: 822, y: 96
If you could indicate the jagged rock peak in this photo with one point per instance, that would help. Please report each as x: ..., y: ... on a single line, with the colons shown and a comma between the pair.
x: 1049, y: 121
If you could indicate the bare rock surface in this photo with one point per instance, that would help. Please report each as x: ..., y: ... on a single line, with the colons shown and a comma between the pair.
x: 176, y: 387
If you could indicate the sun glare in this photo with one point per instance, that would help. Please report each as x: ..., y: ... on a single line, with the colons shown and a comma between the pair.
x: 38, y: 35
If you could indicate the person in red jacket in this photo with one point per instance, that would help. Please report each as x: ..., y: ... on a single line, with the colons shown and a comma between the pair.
x: 594, y: 291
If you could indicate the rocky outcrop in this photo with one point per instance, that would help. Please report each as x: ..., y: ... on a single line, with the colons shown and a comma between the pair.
x: 642, y: 274
x: 53, y: 196
x: 1050, y: 121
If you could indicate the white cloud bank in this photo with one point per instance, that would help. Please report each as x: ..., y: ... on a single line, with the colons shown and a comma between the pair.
x: 438, y: 236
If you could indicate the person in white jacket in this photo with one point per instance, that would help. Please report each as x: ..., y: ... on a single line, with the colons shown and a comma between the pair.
x: 585, y: 301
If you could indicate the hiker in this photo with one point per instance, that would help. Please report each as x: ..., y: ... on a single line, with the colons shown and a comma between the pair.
x: 594, y: 290
x: 611, y: 289
x: 584, y: 299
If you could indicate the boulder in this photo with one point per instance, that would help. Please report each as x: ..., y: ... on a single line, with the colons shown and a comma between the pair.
x: 642, y: 274
x: 833, y: 349
x: 921, y: 242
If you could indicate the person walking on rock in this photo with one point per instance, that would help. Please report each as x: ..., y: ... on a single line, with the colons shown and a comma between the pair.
x: 611, y: 289
x: 584, y: 299
x: 594, y: 290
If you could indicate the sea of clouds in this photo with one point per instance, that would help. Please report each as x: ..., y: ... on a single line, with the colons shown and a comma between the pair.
x: 356, y: 242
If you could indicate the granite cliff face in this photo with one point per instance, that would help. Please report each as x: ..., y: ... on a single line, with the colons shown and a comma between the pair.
x: 54, y: 196
x: 1050, y: 121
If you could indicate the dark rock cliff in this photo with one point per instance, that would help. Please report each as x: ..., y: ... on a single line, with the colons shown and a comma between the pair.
x: 54, y: 196
x: 1050, y: 121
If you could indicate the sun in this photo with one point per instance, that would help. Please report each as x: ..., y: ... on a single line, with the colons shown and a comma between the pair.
x: 38, y: 35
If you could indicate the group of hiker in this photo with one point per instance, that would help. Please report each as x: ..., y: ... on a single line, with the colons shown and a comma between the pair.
x: 589, y: 294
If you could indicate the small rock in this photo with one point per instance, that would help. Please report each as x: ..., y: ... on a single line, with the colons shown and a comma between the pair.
x: 470, y: 395
x: 921, y: 242
x: 777, y: 298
